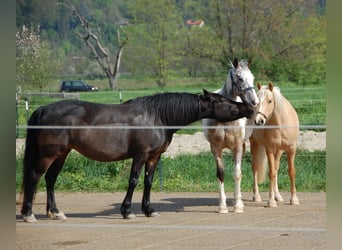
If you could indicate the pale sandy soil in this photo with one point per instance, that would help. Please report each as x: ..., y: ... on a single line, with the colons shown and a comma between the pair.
x: 196, y: 143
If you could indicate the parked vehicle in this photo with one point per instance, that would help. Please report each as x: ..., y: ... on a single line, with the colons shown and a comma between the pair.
x: 76, y: 86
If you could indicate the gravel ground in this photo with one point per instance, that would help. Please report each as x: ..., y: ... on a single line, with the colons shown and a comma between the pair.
x: 196, y: 143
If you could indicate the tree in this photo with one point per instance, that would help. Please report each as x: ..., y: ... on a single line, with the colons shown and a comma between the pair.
x: 285, y: 39
x: 99, y: 52
x: 279, y: 34
x: 154, y: 36
x: 36, y: 64
x: 198, y: 51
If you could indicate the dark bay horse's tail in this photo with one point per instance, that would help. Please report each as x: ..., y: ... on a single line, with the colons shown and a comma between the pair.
x: 31, y: 152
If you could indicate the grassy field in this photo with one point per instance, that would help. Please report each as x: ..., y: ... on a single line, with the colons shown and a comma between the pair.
x: 309, y: 101
x: 193, y: 173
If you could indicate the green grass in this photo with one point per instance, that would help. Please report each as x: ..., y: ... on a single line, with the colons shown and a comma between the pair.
x: 188, y: 173
x: 309, y: 101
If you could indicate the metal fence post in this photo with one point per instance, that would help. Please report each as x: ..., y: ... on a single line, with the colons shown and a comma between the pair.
x: 27, y: 109
x: 17, y: 115
x: 160, y: 170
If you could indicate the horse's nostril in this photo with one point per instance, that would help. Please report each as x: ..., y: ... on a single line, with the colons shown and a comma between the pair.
x: 259, y: 122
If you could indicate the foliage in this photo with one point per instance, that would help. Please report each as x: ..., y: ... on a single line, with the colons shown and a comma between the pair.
x: 35, y: 62
x: 193, y: 173
x: 155, y: 23
x: 285, y: 39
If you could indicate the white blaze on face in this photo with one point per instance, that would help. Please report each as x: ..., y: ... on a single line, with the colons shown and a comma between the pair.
x: 259, y: 119
x: 249, y: 79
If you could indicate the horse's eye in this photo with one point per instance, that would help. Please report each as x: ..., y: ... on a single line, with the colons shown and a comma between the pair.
x: 269, y: 101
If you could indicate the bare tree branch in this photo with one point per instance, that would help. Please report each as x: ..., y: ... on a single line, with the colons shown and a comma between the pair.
x: 95, y: 45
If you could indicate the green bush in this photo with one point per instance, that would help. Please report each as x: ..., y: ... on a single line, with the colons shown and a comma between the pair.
x: 188, y: 173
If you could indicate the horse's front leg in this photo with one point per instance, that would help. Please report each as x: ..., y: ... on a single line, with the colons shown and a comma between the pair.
x: 292, y: 174
x: 272, y: 175
x: 238, y: 152
x: 126, y: 206
x: 220, y: 178
x: 277, y: 194
x: 146, y: 206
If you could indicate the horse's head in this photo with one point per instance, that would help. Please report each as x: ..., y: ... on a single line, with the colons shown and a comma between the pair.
x: 218, y: 107
x: 265, y: 108
x: 240, y: 82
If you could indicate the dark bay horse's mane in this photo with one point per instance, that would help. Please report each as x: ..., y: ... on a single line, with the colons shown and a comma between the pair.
x: 170, y: 108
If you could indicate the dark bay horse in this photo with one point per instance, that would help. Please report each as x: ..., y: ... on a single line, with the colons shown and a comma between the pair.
x: 144, y: 131
x: 239, y: 86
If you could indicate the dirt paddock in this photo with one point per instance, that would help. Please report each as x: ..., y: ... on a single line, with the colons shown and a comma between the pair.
x: 196, y: 143
x: 186, y: 221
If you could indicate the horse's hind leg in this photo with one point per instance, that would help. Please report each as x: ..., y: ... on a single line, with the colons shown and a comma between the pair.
x: 35, y: 170
x: 257, y: 163
x: 50, y: 180
x: 29, y: 193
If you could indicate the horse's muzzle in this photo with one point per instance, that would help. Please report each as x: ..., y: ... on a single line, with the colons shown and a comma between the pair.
x: 250, y: 113
x: 260, y: 119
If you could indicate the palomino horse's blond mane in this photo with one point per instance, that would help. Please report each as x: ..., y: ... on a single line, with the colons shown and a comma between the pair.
x: 278, y: 97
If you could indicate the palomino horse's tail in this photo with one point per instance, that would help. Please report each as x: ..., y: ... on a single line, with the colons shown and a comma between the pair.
x: 31, y: 152
x: 261, y: 162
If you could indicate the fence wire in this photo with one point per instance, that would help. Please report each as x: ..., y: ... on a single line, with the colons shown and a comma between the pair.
x: 111, y: 127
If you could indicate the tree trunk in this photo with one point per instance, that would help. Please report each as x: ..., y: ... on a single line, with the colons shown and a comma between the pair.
x: 112, y: 83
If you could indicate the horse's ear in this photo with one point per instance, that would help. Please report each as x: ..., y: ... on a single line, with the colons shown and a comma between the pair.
x: 270, y: 86
x: 236, y: 62
x: 259, y: 85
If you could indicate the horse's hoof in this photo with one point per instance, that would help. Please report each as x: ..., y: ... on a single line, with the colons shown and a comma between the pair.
x: 272, y: 203
x: 279, y: 198
x: 129, y: 216
x: 29, y: 218
x: 223, y: 210
x: 294, y: 201
x: 257, y: 199
x: 238, y: 210
x: 238, y: 207
x: 153, y: 214
x: 56, y: 216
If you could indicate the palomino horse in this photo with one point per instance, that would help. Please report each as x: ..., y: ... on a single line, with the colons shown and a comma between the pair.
x: 274, y: 110
x: 144, y: 130
x: 238, y: 87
